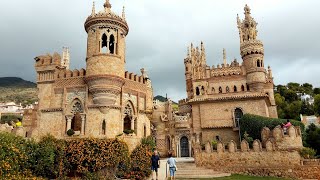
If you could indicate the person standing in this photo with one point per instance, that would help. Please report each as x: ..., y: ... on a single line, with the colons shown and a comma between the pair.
x: 286, y: 126
x: 172, y: 166
x: 155, y: 163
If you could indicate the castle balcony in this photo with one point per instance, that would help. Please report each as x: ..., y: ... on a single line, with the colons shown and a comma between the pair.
x: 182, y: 121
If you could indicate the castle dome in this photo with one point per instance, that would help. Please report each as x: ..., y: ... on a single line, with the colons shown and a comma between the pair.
x: 106, y: 17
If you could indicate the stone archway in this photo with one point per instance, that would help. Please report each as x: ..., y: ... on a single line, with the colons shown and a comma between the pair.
x: 184, y: 146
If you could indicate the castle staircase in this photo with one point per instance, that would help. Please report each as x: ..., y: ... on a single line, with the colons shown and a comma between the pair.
x: 187, y: 169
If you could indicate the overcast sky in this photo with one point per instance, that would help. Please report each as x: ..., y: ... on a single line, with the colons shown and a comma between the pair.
x: 160, y: 31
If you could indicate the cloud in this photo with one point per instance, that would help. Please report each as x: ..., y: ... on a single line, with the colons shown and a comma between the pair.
x: 160, y: 31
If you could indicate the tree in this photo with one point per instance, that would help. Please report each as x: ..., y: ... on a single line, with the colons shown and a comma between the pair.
x: 316, y: 105
x: 316, y: 91
x: 307, y: 88
x: 290, y: 95
x: 293, y: 110
x: 306, y: 109
x: 294, y: 86
x: 313, y: 137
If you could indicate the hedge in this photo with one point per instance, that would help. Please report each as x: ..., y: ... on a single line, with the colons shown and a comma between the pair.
x: 51, y: 158
x: 253, y: 124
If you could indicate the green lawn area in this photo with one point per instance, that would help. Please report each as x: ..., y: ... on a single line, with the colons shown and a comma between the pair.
x: 241, y: 177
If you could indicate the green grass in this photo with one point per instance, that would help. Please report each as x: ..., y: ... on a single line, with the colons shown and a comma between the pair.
x: 240, y: 177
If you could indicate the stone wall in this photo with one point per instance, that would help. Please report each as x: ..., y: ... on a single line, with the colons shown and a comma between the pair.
x: 257, y: 161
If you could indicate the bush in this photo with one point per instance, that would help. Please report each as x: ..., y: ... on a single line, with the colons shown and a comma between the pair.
x: 149, y: 141
x: 248, y: 138
x: 15, y: 159
x: 91, y: 155
x: 51, y: 158
x: 253, y: 124
x: 128, y: 131
x: 308, y: 153
x: 140, y: 163
x: 70, y: 132
x: 312, y: 138
x: 214, y: 144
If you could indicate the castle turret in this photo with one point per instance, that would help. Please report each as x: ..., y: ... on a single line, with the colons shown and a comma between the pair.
x: 65, y: 61
x: 252, y: 51
x: 188, y: 73
x: 105, y: 54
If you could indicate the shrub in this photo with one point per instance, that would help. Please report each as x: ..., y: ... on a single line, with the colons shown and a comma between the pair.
x: 128, y: 131
x: 91, y: 155
x: 51, y: 159
x: 248, y: 138
x: 149, y: 141
x: 308, y: 153
x: 214, y: 144
x: 253, y: 124
x: 14, y: 156
x: 312, y: 137
x: 70, y: 132
x: 140, y: 163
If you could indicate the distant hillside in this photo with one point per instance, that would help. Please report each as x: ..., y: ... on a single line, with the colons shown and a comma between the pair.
x: 15, y: 82
x: 14, y: 89
x: 162, y: 99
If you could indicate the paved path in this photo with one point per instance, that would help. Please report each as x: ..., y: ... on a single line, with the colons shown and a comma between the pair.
x: 186, y: 170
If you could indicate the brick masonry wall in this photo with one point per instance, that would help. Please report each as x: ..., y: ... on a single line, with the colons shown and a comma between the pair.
x: 275, y: 163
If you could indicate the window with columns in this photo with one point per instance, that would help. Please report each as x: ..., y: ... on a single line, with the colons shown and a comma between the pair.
x: 76, y: 118
x: 108, y: 42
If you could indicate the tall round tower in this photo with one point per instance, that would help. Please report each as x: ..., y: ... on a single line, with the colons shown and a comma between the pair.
x: 252, y: 52
x: 105, y: 54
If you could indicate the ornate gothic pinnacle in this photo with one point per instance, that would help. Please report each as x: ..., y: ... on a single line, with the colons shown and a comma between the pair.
x: 224, y: 57
x: 107, y: 5
x: 93, y: 9
x: 123, y: 13
x: 247, y: 9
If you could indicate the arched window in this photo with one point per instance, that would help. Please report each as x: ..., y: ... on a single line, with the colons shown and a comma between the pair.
x: 237, y: 116
x: 76, y: 122
x: 258, y: 63
x: 213, y: 90
x: 227, y: 89
x: 197, y: 91
x: 242, y: 88
x: 104, y: 43
x: 220, y: 89
x: 234, y: 88
x: 202, y: 90
x: 128, y: 117
x: 261, y: 63
x: 104, y: 127
x: 144, y: 131
x: 248, y: 88
x: 111, y: 44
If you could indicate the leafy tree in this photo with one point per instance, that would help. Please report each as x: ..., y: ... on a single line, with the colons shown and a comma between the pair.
x: 317, y: 104
x: 307, y: 88
x: 281, y: 89
x: 293, y: 110
x: 313, y: 137
x: 316, y: 91
x: 290, y: 95
x: 294, y: 86
x: 306, y: 108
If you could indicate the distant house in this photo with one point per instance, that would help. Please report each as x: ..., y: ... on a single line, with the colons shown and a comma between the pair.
x: 308, y: 98
x: 307, y: 120
x: 10, y: 107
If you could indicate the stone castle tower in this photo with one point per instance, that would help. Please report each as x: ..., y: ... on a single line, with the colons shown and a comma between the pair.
x: 103, y: 100
x: 218, y: 96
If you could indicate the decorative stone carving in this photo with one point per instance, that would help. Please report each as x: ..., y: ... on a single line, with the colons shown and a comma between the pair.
x: 220, y: 147
x: 265, y: 134
x: 232, y: 147
x: 76, y: 95
x: 208, y: 147
x: 292, y: 131
x: 244, y: 146
x: 269, y: 146
x: 257, y: 145
x: 277, y: 133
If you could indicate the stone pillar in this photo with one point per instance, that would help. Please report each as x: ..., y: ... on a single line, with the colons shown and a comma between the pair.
x: 178, y: 150
x: 108, y: 51
x: 132, y: 123
x: 83, y: 121
x: 69, y: 120
x: 189, y: 148
x: 197, y: 138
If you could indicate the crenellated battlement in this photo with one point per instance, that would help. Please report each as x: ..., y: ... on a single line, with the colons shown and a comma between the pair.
x: 135, y: 77
x: 48, y: 60
x: 66, y: 73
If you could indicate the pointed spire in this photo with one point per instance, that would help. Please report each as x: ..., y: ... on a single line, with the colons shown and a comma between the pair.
x: 202, y: 46
x: 188, y: 51
x: 107, y: 6
x: 238, y: 21
x: 123, y: 13
x: 93, y: 9
x: 224, y: 57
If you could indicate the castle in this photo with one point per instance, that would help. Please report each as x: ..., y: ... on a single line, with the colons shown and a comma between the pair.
x: 103, y: 100
x: 217, y: 97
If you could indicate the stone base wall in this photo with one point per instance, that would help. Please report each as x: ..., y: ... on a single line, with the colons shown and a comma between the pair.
x: 275, y: 163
